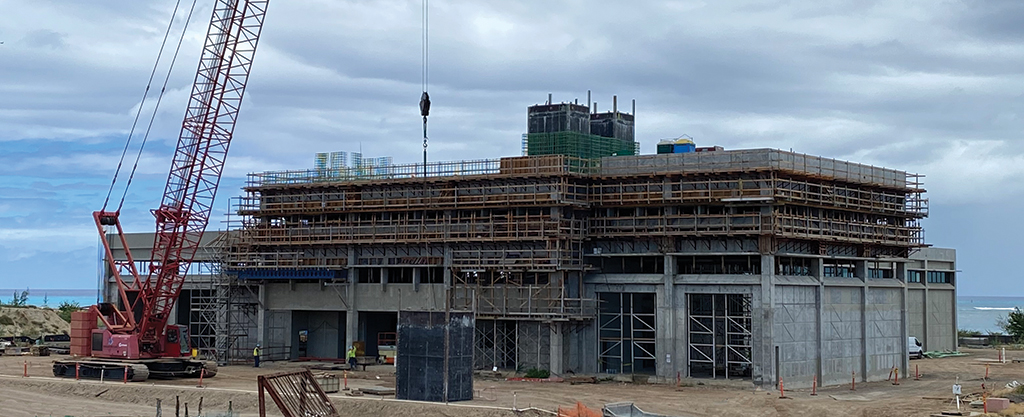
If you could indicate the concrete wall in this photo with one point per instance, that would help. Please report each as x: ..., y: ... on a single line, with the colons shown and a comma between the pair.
x: 886, y: 344
x: 941, y: 316
x: 915, y: 311
x: 369, y: 297
x: 326, y: 333
x: 842, y: 334
x: 796, y: 333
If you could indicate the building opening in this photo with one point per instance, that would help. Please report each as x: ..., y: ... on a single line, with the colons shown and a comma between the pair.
x: 720, y: 339
x: 627, y: 333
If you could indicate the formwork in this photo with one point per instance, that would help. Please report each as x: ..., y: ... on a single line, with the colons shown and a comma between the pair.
x: 512, y: 239
x: 580, y: 145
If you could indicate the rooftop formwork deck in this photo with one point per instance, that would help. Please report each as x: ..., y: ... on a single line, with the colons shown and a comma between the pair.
x: 511, y: 233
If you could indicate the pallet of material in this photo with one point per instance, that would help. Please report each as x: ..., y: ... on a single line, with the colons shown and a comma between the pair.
x: 581, y: 380
x: 328, y: 382
x: 378, y: 391
x: 16, y: 351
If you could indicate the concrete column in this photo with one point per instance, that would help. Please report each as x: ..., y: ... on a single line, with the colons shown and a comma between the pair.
x: 768, y: 375
x: 555, y: 346
x: 924, y: 308
x: 417, y: 276
x: 352, y: 314
x: 953, y: 280
x: 818, y: 270
x: 862, y: 273
x: 261, y: 316
x: 666, y: 341
x: 901, y: 276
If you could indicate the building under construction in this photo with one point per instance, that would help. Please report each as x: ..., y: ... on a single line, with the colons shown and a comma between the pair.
x: 583, y: 256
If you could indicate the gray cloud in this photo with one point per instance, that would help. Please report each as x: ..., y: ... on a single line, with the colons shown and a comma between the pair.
x: 929, y: 87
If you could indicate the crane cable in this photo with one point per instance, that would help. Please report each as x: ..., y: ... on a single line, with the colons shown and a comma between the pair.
x: 159, y: 99
x: 142, y: 104
x: 425, y: 98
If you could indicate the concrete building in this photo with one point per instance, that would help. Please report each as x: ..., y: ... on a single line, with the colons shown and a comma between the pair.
x: 754, y: 264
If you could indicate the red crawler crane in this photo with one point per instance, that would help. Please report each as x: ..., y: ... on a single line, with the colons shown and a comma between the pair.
x: 135, y: 337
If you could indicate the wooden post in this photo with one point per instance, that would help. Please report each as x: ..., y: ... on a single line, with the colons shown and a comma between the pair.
x: 261, y: 380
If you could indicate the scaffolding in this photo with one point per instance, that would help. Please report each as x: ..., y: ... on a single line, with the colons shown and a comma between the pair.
x: 509, y: 235
x: 720, y: 335
x: 222, y: 310
x: 626, y: 327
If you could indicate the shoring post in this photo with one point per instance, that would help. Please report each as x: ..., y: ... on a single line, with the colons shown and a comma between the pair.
x: 782, y: 389
x: 897, y: 380
x: 890, y: 373
x: 984, y: 402
x: 78, y: 367
x: 26, y: 370
x: 917, y: 373
x: 814, y: 386
x: 346, y: 380
x: 202, y: 373
x: 125, y: 374
x: 853, y: 381
x: 986, y: 371
x: 679, y: 379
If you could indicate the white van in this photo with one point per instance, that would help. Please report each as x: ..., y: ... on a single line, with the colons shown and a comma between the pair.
x: 914, y: 347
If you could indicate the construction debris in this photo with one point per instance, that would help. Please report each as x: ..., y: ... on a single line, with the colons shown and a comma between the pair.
x: 378, y: 390
x: 296, y: 394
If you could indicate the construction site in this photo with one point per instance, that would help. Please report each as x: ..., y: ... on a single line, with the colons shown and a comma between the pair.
x: 584, y: 277
x: 754, y: 264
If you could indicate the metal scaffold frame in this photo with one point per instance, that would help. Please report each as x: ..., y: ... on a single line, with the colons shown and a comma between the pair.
x: 720, y: 335
x: 626, y: 330
x: 222, y: 311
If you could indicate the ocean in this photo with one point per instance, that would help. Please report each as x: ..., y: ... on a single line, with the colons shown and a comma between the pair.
x: 51, y: 298
x: 981, y: 313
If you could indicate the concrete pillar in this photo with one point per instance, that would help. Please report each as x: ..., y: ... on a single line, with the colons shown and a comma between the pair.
x: 862, y: 273
x: 555, y: 355
x: 417, y: 276
x: 666, y: 342
x: 901, y: 276
x: 924, y: 308
x: 766, y: 346
x: 261, y: 316
x: 352, y: 314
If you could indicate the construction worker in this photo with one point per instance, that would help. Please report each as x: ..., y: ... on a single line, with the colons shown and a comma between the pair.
x: 351, y: 356
x: 256, y: 356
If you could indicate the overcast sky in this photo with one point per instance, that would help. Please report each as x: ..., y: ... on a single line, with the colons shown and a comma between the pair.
x: 933, y: 87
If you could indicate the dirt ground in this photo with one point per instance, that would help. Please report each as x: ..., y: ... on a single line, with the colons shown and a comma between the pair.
x: 42, y: 395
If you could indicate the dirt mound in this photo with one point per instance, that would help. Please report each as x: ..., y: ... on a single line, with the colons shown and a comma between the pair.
x: 31, y: 322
